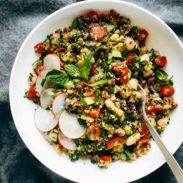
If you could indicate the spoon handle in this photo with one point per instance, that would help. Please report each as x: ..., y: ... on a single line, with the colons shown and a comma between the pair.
x: 174, y: 166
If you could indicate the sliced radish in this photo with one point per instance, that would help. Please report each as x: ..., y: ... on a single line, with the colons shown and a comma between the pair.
x: 46, y: 98
x: 66, y: 142
x: 51, y: 61
x: 70, y: 126
x: 40, y: 78
x: 44, y: 119
x: 58, y: 104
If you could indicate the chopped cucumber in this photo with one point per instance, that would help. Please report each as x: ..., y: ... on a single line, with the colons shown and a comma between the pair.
x: 116, y: 53
x: 89, y: 100
x: 109, y: 27
x: 86, y: 118
x: 68, y: 85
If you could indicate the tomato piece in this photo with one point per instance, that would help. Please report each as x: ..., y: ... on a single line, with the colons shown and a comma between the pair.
x: 130, y: 59
x: 123, y: 70
x: 161, y: 61
x: 144, y: 128
x: 142, y: 35
x: 152, y: 109
x: 61, y: 65
x: 59, y: 49
x: 91, y: 15
x: 114, y: 13
x: 94, y: 132
x: 95, y: 113
x: 144, y: 140
x: 39, y: 48
x: 31, y: 93
x: 97, y: 31
x: 115, y: 141
x: 167, y: 90
x: 104, y: 16
x: 106, y: 158
x: 123, y: 79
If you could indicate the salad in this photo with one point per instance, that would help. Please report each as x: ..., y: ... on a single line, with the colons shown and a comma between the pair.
x: 85, y: 84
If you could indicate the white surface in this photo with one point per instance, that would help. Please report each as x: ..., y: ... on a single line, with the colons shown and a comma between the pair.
x: 161, y: 37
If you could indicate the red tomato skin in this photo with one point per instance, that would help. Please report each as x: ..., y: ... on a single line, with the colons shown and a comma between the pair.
x: 39, y: 48
x: 142, y: 35
x: 106, y: 158
x: 95, y: 113
x: 59, y: 49
x: 91, y: 15
x: 31, y: 93
x: 160, y: 61
x: 97, y: 31
x: 144, y: 129
x: 153, y: 109
x: 130, y: 59
x: 167, y: 90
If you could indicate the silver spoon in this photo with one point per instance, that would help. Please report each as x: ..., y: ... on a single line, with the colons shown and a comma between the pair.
x: 174, y: 166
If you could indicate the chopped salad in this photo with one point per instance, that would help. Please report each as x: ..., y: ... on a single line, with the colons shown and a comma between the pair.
x: 85, y: 84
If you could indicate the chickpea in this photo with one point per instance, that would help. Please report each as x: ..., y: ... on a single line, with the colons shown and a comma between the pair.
x: 114, y: 37
x: 130, y: 43
x: 133, y: 139
x: 162, y: 122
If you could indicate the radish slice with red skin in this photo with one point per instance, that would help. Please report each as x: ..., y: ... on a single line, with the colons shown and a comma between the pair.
x: 66, y: 142
x: 70, y: 126
x: 42, y: 75
x: 51, y: 61
x: 44, y: 120
x: 58, y: 104
x: 46, y: 98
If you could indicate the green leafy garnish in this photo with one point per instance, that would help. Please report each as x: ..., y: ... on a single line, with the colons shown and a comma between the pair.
x: 58, y: 78
x: 76, y: 23
x: 101, y: 82
x: 72, y: 70
x: 85, y: 69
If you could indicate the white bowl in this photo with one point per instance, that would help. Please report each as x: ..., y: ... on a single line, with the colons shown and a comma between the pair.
x: 161, y: 38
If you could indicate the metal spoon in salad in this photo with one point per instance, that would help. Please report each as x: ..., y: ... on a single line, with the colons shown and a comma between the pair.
x: 174, y: 166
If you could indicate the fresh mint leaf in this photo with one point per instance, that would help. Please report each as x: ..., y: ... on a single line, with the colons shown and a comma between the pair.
x: 72, y: 70
x: 58, y: 78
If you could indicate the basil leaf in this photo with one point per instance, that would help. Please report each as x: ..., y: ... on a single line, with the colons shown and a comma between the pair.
x: 72, y: 70
x: 101, y: 82
x: 85, y: 69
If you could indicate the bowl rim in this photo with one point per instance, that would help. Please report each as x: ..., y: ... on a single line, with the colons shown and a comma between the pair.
x: 47, y: 18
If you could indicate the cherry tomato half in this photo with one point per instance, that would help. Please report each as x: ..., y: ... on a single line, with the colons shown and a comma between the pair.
x: 161, y: 61
x: 39, y: 48
x: 91, y: 15
x: 31, y: 93
x: 97, y: 31
x: 142, y: 34
x: 167, y: 90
